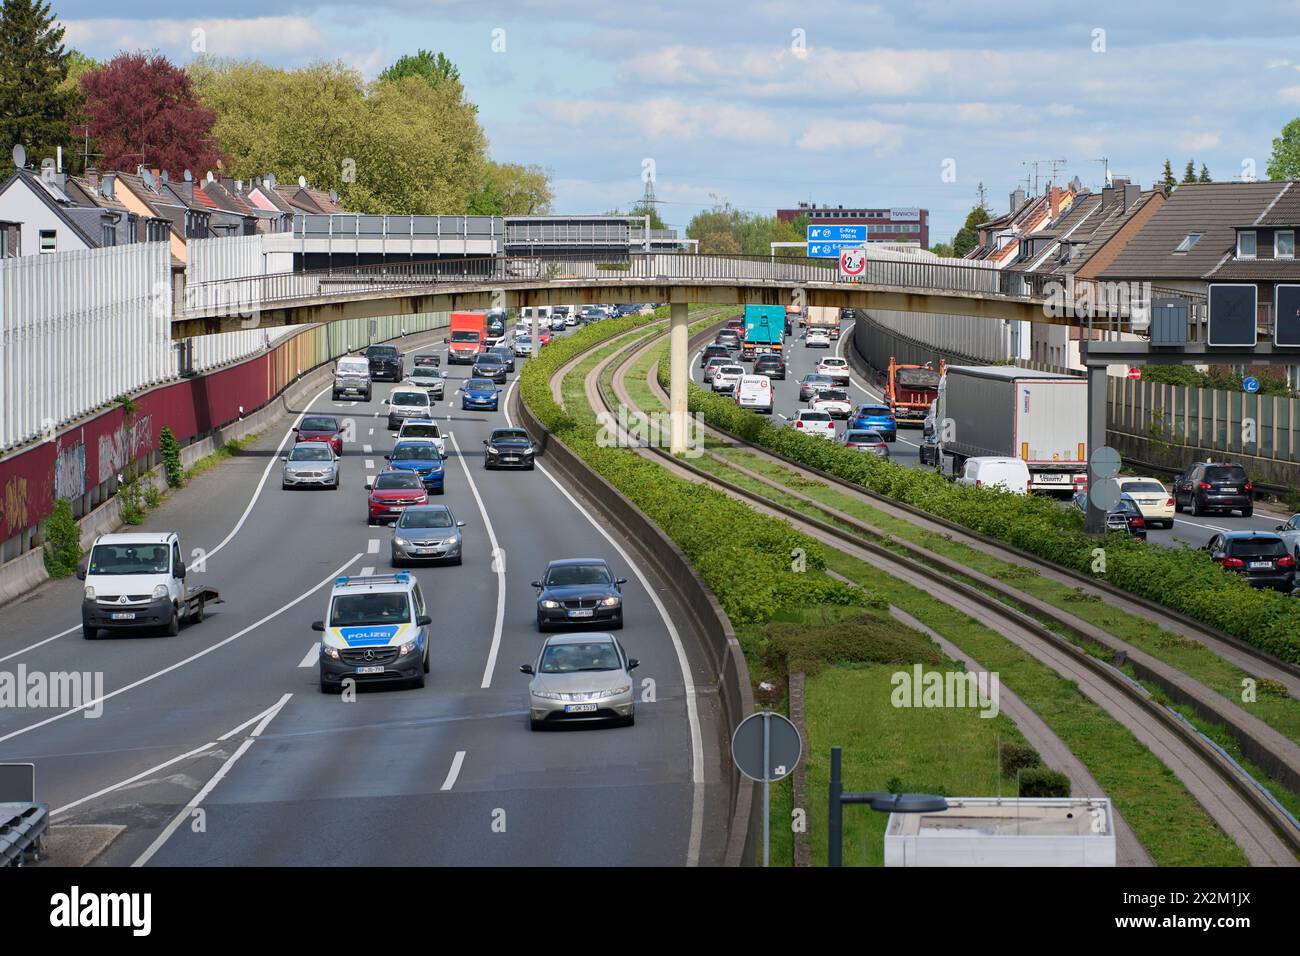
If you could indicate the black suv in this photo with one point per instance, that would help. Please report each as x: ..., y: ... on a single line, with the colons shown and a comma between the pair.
x: 489, y: 365
x: 385, y: 362
x: 773, y: 366
x: 714, y: 350
x: 1259, y: 555
x: 1214, y: 486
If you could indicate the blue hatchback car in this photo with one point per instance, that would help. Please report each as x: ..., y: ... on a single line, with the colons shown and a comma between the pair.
x: 421, y: 457
x: 480, y: 393
x: 877, y: 418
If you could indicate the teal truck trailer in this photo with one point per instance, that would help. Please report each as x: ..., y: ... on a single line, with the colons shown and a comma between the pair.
x: 764, y: 330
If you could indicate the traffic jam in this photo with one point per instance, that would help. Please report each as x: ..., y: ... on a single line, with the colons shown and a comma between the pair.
x: 950, y: 418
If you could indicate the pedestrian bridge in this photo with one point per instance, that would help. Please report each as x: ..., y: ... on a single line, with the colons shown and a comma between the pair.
x: 902, y: 283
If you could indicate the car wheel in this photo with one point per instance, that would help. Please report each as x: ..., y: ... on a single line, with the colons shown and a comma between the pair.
x: 617, y: 625
x: 396, y: 562
x: 630, y: 719
x: 325, y: 687
x: 196, y: 617
x: 534, y: 724
x: 369, y: 520
x: 1196, y: 508
x: 1178, y: 508
x: 334, y: 396
x: 418, y: 681
x: 1248, y: 512
x: 426, y: 658
x: 283, y: 486
x: 542, y: 625
x: 367, y: 395
x: 89, y: 633
x: 174, y: 625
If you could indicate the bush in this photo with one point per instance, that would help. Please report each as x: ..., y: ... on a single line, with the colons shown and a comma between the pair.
x: 866, y: 639
x: 1018, y: 757
x: 130, y: 497
x: 152, y: 496
x: 171, y: 456
x: 62, y: 539
x: 1043, y: 782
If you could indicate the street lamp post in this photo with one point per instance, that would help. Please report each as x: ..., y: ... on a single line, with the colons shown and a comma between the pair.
x: 879, y: 801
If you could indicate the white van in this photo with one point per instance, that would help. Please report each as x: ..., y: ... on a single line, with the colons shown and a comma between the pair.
x: 755, y: 393
x: 1006, y: 474
x: 542, y: 312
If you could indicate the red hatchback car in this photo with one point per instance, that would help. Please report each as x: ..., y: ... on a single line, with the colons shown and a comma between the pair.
x: 324, y: 428
x: 392, y: 493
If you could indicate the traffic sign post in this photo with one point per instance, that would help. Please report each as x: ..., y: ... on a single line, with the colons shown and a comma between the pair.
x: 878, y: 801
x: 1135, y: 373
x: 766, y: 747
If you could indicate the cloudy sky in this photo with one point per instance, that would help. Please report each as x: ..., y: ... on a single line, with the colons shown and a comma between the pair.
x: 764, y: 104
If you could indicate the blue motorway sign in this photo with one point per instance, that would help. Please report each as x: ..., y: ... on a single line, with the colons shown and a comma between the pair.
x: 838, y: 233
x: 829, y: 250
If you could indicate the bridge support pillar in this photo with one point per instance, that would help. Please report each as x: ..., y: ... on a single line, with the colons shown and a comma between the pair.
x: 679, y: 376
x: 1094, y: 521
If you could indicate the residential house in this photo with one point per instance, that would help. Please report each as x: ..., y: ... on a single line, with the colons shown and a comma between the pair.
x: 54, y: 214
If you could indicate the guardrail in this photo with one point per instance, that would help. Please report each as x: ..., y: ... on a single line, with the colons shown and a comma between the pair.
x: 22, y: 831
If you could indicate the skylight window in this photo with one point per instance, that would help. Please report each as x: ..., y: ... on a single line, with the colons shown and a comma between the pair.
x: 1191, y: 239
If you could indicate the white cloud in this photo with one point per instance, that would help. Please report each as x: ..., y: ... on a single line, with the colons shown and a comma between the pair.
x: 239, y: 38
x: 668, y: 118
x: 822, y: 134
x: 1289, y: 94
x: 1200, y: 141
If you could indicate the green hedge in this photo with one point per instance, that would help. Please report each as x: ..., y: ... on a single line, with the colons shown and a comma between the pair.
x: 747, y: 558
x: 1044, y: 782
x: 1183, y: 579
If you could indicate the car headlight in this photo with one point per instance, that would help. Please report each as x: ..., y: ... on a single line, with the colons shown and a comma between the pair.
x: 329, y: 651
x: 407, y: 648
x: 159, y: 592
x: 548, y: 695
x: 493, y: 451
x: 550, y: 604
x: 401, y: 542
x: 90, y: 593
x: 615, y: 691
x: 610, y: 601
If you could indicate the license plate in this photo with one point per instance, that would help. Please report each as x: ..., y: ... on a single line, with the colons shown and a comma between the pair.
x: 1227, y: 491
x: 1261, y: 565
x: 576, y: 613
x: 1053, y: 479
x: 371, y: 669
x: 509, y: 458
x: 124, y: 615
x: 579, y: 708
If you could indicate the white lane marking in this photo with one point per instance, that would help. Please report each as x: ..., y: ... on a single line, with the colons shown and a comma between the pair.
x: 208, y: 787
x: 32, y: 647
x: 454, y: 771
x: 368, y: 449
x: 372, y: 546
x: 497, y: 565
x: 371, y: 432
x: 688, y: 681
x: 181, y: 663
x: 266, y: 473
x: 366, y: 572
x: 312, y: 657
x: 370, y: 464
x: 1197, y: 524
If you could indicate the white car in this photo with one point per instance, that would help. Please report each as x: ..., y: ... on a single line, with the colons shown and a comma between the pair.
x: 816, y: 339
x: 558, y: 322
x: 1152, y: 498
x: 425, y: 428
x: 523, y: 345
x: 834, y: 401
x: 1007, y: 474
x: 1290, y: 534
x: 815, y: 423
x: 727, y: 377
x: 837, y: 368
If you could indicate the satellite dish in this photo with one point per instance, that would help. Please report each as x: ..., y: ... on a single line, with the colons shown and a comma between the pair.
x: 269, y: 179
x: 302, y: 182
x: 210, y: 179
x: 147, y: 177
x: 166, y: 177
x: 20, y: 155
x: 189, y: 176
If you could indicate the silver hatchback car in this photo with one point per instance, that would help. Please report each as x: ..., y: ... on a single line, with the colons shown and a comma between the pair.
x: 427, y: 533
x: 580, y: 677
x: 310, y: 464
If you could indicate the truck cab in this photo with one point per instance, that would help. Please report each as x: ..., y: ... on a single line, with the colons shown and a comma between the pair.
x: 135, y: 581
x: 468, y: 333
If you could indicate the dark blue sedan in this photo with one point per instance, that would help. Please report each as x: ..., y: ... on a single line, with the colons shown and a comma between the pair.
x: 422, y: 458
x: 480, y: 393
x: 579, y: 591
x: 876, y: 418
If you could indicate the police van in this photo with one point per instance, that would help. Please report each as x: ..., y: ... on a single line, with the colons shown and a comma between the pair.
x: 376, y: 630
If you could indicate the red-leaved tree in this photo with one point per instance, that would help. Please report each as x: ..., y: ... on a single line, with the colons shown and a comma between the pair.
x: 144, y: 112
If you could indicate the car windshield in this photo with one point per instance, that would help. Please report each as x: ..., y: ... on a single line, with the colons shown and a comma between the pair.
x: 862, y: 437
x: 732, y: 370
x: 410, y: 398
x: 873, y: 410
x: 381, y: 351
x: 569, y: 575
x: 422, y: 430
x: 510, y: 434
x: 480, y: 383
x: 313, y: 451
x: 918, y: 378
x: 1257, y: 548
x: 128, y: 559
x: 412, y: 451
x: 487, y: 358
x: 357, y: 610
x: 814, y: 416
x: 1144, y: 486
x: 354, y: 366
x: 1226, y: 473
x: 574, y: 657
x: 319, y: 425
x: 1128, y: 505
x: 816, y: 379
x: 832, y: 395
x: 422, y: 518
x: 425, y: 371
x: 396, y: 479
x: 833, y: 362
x: 464, y: 336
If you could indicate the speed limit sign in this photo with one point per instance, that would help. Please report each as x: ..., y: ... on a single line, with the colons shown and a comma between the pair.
x: 853, y: 262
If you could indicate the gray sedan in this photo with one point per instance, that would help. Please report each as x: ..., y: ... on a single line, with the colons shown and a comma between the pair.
x: 427, y: 533
x: 310, y: 464
x: 580, y: 677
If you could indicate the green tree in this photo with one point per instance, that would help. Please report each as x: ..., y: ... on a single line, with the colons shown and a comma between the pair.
x: 510, y: 189
x: 1205, y: 175
x: 1189, y: 173
x: 968, y: 236
x: 34, y: 104
x: 1284, y: 163
x: 83, y: 146
x: 432, y: 67
x: 1167, y: 180
x: 942, y: 249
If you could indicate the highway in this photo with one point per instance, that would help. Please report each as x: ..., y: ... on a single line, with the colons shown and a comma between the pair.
x: 216, y: 747
x: 800, y: 361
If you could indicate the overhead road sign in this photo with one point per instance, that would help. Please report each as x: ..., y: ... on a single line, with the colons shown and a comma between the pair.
x: 1286, y: 315
x: 824, y: 233
x: 1232, y: 314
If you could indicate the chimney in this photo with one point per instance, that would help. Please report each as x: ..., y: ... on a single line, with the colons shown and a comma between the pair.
x: 1132, y: 193
x: 1054, y: 195
x: 1107, y: 198
x: 157, y: 178
x: 1017, y: 199
x: 185, y: 189
x: 92, y: 177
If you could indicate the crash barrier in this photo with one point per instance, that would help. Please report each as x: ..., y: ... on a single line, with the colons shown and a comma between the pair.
x: 22, y: 830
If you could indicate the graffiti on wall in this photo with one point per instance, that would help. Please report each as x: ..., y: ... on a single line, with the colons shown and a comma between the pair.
x: 70, y: 471
x: 14, y: 507
x: 120, y: 447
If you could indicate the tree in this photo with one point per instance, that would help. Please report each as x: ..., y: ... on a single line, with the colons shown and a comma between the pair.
x: 510, y: 189
x: 1284, y: 163
x: 640, y: 210
x: 968, y: 236
x: 1189, y: 173
x: 432, y: 67
x: 33, y: 66
x: 1205, y: 175
x: 943, y: 249
x: 143, y: 110
x: 83, y: 148
x: 1167, y: 179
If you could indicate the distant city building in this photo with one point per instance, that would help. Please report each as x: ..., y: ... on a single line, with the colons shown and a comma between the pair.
x: 896, y: 224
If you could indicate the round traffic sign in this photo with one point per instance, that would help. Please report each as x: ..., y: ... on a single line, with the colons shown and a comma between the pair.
x: 1104, y: 493
x: 853, y: 262
x: 784, y: 748
x: 1105, y: 462
x: 1250, y: 384
x: 1135, y: 373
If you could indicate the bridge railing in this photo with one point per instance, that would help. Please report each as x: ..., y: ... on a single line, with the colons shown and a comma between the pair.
x: 253, y: 292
